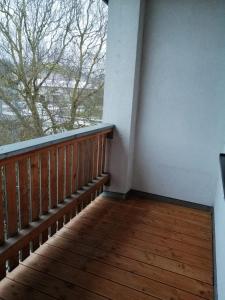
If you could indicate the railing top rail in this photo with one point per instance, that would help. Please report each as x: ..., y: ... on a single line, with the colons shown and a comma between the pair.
x: 11, y: 150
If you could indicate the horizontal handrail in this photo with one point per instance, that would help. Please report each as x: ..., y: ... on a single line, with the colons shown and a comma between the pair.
x: 44, y: 183
x: 45, y: 141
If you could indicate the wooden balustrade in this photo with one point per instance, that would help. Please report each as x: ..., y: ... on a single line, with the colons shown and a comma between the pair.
x: 43, y: 184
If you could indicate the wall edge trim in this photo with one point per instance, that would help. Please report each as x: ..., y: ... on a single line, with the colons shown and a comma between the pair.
x: 170, y: 200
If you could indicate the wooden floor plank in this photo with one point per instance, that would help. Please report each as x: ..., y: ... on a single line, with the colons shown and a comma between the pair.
x: 115, y: 206
x: 204, y: 221
x: 146, y: 285
x: 113, y: 240
x: 147, y: 202
x: 139, y: 268
x: 166, y: 223
x: 59, y: 289
x: 96, y: 284
x: 123, y: 250
x: 152, y: 229
x: 87, y: 223
x: 148, y: 207
x: 120, y: 232
x: 156, y: 260
x: 11, y: 290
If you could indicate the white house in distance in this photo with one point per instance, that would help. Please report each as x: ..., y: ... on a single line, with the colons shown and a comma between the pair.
x: 165, y: 92
x: 57, y: 90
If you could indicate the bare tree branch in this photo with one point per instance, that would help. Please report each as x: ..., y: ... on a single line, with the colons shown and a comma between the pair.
x: 50, y: 48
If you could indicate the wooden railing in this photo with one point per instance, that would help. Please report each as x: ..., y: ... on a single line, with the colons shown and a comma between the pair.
x: 43, y: 184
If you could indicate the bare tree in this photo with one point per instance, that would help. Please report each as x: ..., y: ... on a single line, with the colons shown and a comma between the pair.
x: 9, y: 131
x: 86, y: 56
x: 41, y: 40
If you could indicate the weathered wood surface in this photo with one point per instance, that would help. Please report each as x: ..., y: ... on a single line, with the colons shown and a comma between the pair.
x: 43, y: 186
x: 129, y: 249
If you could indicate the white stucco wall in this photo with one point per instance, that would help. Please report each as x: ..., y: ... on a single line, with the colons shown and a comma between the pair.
x: 121, y: 86
x: 219, y: 213
x: 177, y: 121
x: 182, y: 100
x: 219, y: 217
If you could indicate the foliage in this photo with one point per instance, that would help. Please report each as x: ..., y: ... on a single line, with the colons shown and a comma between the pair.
x: 51, y: 63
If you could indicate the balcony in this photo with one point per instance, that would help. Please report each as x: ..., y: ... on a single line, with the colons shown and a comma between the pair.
x: 133, y: 210
x: 62, y: 238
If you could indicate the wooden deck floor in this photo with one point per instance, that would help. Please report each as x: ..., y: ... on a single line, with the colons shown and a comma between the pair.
x: 131, y: 249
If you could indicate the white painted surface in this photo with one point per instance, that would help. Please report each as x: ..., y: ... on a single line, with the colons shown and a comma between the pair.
x: 219, y: 216
x: 219, y: 211
x: 182, y: 103
x: 121, y: 86
x: 180, y: 125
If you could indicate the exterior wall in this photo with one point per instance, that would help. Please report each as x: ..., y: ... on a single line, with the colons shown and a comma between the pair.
x: 121, y: 86
x: 219, y: 215
x: 168, y: 137
x: 219, y: 223
x: 181, y: 110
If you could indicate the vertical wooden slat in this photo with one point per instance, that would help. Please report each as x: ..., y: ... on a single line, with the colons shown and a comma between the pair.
x: 53, y: 177
x: 74, y: 172
x: 44, y: 183
x: 10, y: 177
x: 80, y: 165
x: 82, y: 161
x: 35, y: 243
x: 2, y: 269
x: 61, y: 180
x: 25, y: 252
x: 87, y: 200
x: 44, y: 236
x: 85, y: 161
x: 99, y: 154
x: 53, y: 183
x: 100, y: 189
x: 24, y: 193
x: 68, y: 170
x: 24, y: 201
x: 84, y: 151
x: 79, y: 206
x: 60, y: 223
x: 84, y: 202
x: 53, y: 229
x: 92, y: 196
x: 104, y: 142
x: 88, y: 159
x: 68, y: 177
x: 67, y: 217
x: 73, y: 212
x: 61, y: 174
x: 95, y: 157
x: 2, y: 237
x: 35, y: 194
x: 91, y: 148
x: 35, y: 188
x: 74, y: 168
x: 44, y: 189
